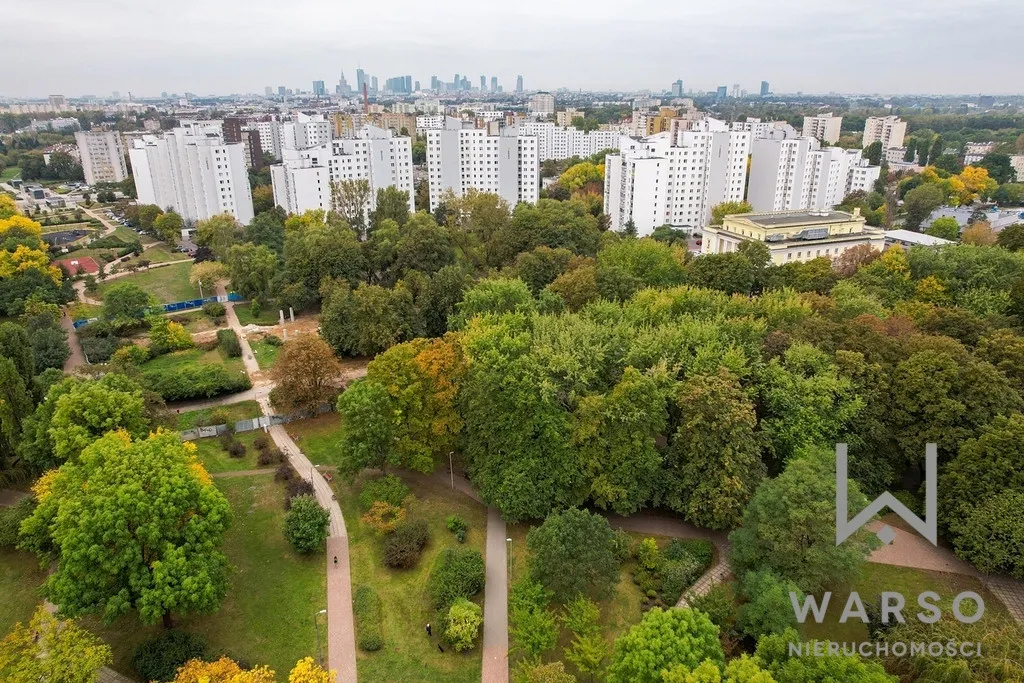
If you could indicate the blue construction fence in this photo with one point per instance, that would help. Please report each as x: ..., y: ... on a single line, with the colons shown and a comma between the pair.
x: 177, y: 306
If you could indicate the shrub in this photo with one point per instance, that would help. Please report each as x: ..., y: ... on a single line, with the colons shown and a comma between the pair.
x: 159, y: 658
x: 457, y: 573
x: 621, y: 544
x: 270, y: 456
x: 402, y: 548
x: 263, y: 441
x: 532, y: 626
x: 228, y: 342
x: 366, y: 606
x: 458, y: 526
x: 305, y: 525
x: 131, y: 354
x: 237, y: 449
x: 699, y: 549
x: 647, y: 555
x: 10, y: 521
x: 295, y: 487
x: 284, y: 472
x: 194, y: 381
x: 214, y: 309
x: 991, y: 535
x: 463, y: 624
x: 272, y: 339
x: 388, y: 489
x: 383, y: 517
x: 677, y: 576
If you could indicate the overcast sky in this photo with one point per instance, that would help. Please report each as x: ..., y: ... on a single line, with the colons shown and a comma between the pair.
x: 226, y: 46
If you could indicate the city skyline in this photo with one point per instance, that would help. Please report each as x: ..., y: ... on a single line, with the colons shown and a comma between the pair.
x: 210, y: 49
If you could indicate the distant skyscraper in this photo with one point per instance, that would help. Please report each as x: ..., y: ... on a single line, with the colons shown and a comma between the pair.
x: 268, y: 91
x: 318, y: 89
x: 457, y: 81
x: 764, y: 89
x: 281, y: 90
x: 343, y: 87
x: 361, y: 81
x: 519, y: 84
x: 483, y: 84
x: 433, y: 83
x: 736, y: 90
x: 373, y: 84
x: 494, y: 84
x: 677, y: 88
x: 416, y: 86
x: 723, y: 92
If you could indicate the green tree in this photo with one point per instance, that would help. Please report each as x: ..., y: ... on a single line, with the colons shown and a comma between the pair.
x: 652, y: 263
x: 1011, y: 237
x: 423, y: 245
x: 317, y: 253
x: 920, y: 202
x: 946, y: 227
x: 147, y: 215
x: 168, y: 227
x: 126, y: 302
x: 540, y: 267
x: 530, y: 671
x: 720, y: 211
x: 990, y: 535
x: 91, y: 409
x: 661, y: 641
x: 873, y: 153
x: 393, y: 204
x: 262, y: 199
x: 714, y: 459
x: 366, y: 321
x: 938, y: 147
x: 999, y: 167
x: 492, y: 296
x: 350, y: 200
x: 305, y: 525
x: 15, y: 345
x: 370, y: 427
x: 773, y: 652
x: 135, y: 526
x: 15, y: 407
x: 463, y: 624
x: 573, y: 553
x: 51, y: 649
x: 789, y: 527
x: 206, y: 274
x: 251, y: 268
x: 267, y: 228
x: 768, y: 608
x: 532, y: 627
x: 731, y: 273
x: 218, y: 233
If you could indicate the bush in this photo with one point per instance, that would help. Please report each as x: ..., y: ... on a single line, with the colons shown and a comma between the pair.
x: 270, y: 456
x: 263, y: 442
x: 131, y: 354
x: 194, y: 381
x: 990, y: 535
x: 305, y: 525
x: 621, y: 544
x: 458, y: 526
x: 383, y: 517
x: 236, y: 449
x: 457, y: 573
x: 647, y: 555
x: 159, y: 658
x: 228, y: 342
x: 402, y: 548
x: 699, y: 549
x: 388, y: 489
x: 284, y: 472
x: 10, y: 521
x: 677, y: 576
x: 295, y: 487
x: 463, y: 624
x: 214, y: 309
x: 272, y: 339
x: 366, y: 606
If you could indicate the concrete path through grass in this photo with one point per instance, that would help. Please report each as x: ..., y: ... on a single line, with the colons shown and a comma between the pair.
x: 495, y: 648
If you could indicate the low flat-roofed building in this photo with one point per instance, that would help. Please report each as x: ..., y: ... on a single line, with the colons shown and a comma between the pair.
x: 909, y: 238
x: 794, y: 235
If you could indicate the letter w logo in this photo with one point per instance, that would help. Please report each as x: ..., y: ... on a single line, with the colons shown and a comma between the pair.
x: 927, y: 527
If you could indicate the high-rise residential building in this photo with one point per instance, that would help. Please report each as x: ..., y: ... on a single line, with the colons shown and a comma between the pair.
x: 238, y: 129
x: 318, y: 89
x: 519, y: 84
x: 194, y: 171
x: 736, y: 91
x: 765, y: 91
x: 542, y: 104
x: 798, y: 174
x: 825, y: 127
x: 58, y: 103
x: 502, y: 161
x: 759, y: 130
x: 794, y: 236
x: 888, y: 130
x: 102, y: 156
x: 677, y: 88
x: 303, y: 180
x: 565, y: 117
x: 305, y: 131
x: 269, y: 130
x: 494, y: 84
x: 675, y: 178
x: 416, y: 87
x: 559, y: 142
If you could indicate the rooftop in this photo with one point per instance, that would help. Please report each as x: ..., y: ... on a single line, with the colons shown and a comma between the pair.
x: 782, y: 219
x: 911, y: 237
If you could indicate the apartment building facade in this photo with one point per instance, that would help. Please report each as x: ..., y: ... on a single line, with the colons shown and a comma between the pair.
x: 889, y: 130
x: 560, y: 142
x: 102, y: 156
x: 505, y: 162
x: 824, y: 127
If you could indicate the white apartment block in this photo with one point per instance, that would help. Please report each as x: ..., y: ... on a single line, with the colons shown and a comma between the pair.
x: 762, y: 130
x: 565, y: 117
x: 895, y: 155
x: 303, y: 180
x: 506, y: 164
x: 305, y: 131
x: 193, y: 171
x: 542, y: 104
x: 102, y: 156
x: 824, y: 127
x: 675, y: 178
x: 797, y: 174
x: 559, y: 142
x: 438, y: 122
x: 270, y: 136
x: 888, y: 130
x: 976, y: 151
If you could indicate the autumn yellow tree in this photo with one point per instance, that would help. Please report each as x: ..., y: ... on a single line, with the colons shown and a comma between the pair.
x: 206, y: 274
x: 308, y: 671
x: 576, y: 177
x: 306, y: 372
x: 931, y: 290
x: 977, y: 183
x: 224, y: 670
x: 979, y: 233
x: 51, y: 649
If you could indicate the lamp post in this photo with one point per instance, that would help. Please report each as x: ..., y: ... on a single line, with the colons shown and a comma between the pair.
x: 451, y: 469
x: 316, y: 626
x: 508, y: 552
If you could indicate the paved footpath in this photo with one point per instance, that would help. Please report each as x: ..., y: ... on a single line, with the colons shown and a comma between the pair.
x: 495, y: 648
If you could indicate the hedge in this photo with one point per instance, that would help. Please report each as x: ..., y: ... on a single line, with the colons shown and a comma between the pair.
x: 195, y: 381
x: 366, y: 606
x: 229, y: 344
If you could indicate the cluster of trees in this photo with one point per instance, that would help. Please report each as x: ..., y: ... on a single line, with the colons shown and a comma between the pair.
x: 62, y: 166
x: 933, y: 187
x: 25, y: 269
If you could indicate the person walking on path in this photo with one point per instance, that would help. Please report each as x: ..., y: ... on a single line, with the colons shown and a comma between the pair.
x: 429, y: 632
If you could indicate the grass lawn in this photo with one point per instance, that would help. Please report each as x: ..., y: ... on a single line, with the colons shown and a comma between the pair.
x: 81, y: 311
x: 266, y: 316
x: 9, y: 173
x: 875, y: 578
x: 233, y: 412
x: 20, y: 577
x: 265, y: 353
x: 195, y: 321
x: 318, y: 437
x: 158, y: 254
x: 217, y: 460
x: 167, y: 284
x: 267, y: 617
x: 408, y: 654
x: 198, y: 356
